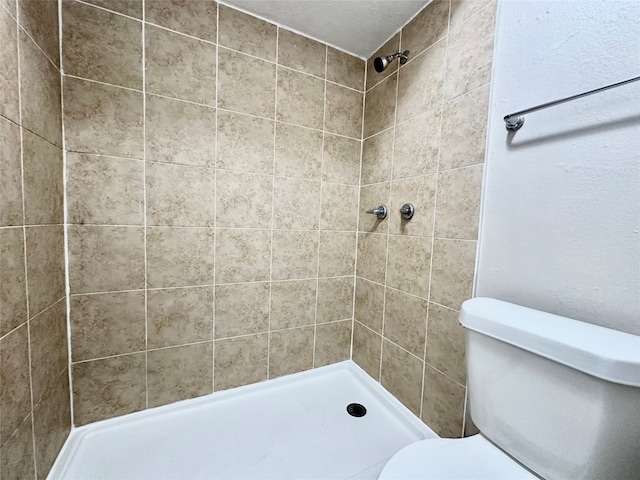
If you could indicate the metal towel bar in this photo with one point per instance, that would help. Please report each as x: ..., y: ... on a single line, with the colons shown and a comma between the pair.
x: 514, y: 121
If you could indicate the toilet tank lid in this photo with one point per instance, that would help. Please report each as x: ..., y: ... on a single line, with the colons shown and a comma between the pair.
x: 599, y: 351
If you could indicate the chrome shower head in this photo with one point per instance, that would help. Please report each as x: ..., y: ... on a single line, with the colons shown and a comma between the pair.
x: 381, y: 63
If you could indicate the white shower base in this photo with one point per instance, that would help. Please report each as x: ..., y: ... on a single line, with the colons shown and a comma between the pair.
x: 294, y: 427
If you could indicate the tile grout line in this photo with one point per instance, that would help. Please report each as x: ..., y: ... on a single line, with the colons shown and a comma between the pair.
x: 144, y: 206
x: 215, y: 213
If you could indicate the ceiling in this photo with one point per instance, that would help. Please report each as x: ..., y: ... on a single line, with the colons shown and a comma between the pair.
x: 358, y: 27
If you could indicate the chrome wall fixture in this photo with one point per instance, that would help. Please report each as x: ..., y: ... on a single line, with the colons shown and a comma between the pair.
x: 380, y: 212
x: 407, y: 211
x: 514, y: 121
x: 381, y: 63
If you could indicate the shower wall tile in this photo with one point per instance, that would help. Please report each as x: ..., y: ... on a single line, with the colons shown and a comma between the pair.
x: 341, y: 160
x: 426, y: 28
x: 372, y: 196
x: 333, y: 343
x: 337, y: 255
x: 107, y: 324
x: 105, y: 259
x: 445, y: 342
x: 9, y: 86
x: 245, y: 143
x: 405, y: 321
x: 453, y: 270
x: 17, y: 454
x: 380, y: 106
x: 180, y: 132
x: 198, y: 19
x: 241, y: 309
x: 108, y: 387
x: 372, y: 257
x: 300, y: 99
x: 104, y: 190
x: 236, y: 209
x: 40, y: 20
x: 461, y: 10
x: 401, y: 374
x: 15, y: 392
x: 179, y: 315
x: 131, y: 8
x: 339, y: 207
x: 242, y: 255
x: 345, y: 69
x: 391, y: 46
x: 179, y: 373
x: 377, y: 158
x: 296, y: 204
x: 301, y: 53
x: 335, y: 299
x: 416, y: 145
x: 10, y: 173
x: 240, y: 361
x: 13, y: 294
x: 293, y: 304
x: 408, y: 264
x: 179, y: 257
x: 298, y: 152
x: 294, y: 255
x: 459, y: 203
x: 247, y: 34
x: 421, y: 193
x: 367, y: 349
x: 290, y: 351
x: 180, y: 67
x: 246, y: 84
x: 45, y: 266
x: 442, y: 404
x: 369, y: 304
x: 102, y: 119
x: 343, y: 111
x: 102, y: 46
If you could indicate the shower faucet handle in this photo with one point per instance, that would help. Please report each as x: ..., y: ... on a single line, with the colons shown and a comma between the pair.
x: 380, y: 212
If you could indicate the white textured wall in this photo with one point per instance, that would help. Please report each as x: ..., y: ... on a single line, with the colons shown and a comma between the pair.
x: 561, y: 213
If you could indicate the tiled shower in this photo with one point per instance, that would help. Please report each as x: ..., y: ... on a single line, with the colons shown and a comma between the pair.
x: 212, y: 207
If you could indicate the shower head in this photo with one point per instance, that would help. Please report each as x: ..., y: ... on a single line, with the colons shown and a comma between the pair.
x: 381, y: 63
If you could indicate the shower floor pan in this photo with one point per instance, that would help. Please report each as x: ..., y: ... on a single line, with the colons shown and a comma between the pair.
x: 294, y: 427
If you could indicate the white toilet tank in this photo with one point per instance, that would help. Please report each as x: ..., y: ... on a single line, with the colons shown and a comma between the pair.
x: 560, y: 396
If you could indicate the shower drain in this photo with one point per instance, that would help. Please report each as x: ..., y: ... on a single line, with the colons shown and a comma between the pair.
x: 356, y: 410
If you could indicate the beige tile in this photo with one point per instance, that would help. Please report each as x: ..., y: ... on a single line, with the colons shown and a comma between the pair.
x: 345, y: 69
x: 372, y: 257
x: 298, y: 152
x: 247, y: 34
x: 461, y: 10
x: 102, y: 119
x: 40, y: 19
x: 469, y: 53
x: 419, y: 192
x: 290, y: 351
x: 243, y: 200
x: 421, y: 82
x: 178, y: 316
x: 246, y: 84
x: 245, y: 143
x: 104, y: 190
x: 442, y: 404
x: 405, y: 321
x: 17, y: 453
x: 180, y: 132
x: 9, y: 86
x: 401, y: 374
x: 13, y: 294
x: 295, y: 255
x: 367, y: 348
x: 459, y: 203
x: 296, y: 204
x: 337, y: 254
x: 464, y: 129
x: 43, y: 190
x: 178, y: 257
x: 198, y: 19
x: 335, y: 299
x: 52, y: 424
x: 377, y: 158
x: 107, y: 324
x: 180, y: 67
x: 445, y: 342
x: 301, y: 53
x: 40, y: 92
x: 241, y: 309
x: 453, y: 271
x: 380, y: 106
x: 343, y: 113
x: 369, y: 304
x: 101, y: 45
x: 333, y: 343
x: 293, y: 304
x: 339, y: 207
x: 240, y: 361
x: 341, y: 160
x: 108, y: 388
x: 409, y: 263
x: 426, y: 28
x: 391, y: 46
x: 180, y: 195
x: 48, y: 348
x: 10, y: 173
x: 415, y: 149
x: 371, y: 197
x: 131, y: 8
x: 242, y: 255
x: 104, y: 259
x: 45, y: 266
x: 15, y: 391
x: 300, y: 99
x: 179, y: 373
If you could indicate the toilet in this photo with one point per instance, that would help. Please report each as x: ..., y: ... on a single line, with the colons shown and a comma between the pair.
x: 552, y: 397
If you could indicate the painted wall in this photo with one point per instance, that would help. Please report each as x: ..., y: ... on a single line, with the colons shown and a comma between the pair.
x: 561, y: 214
